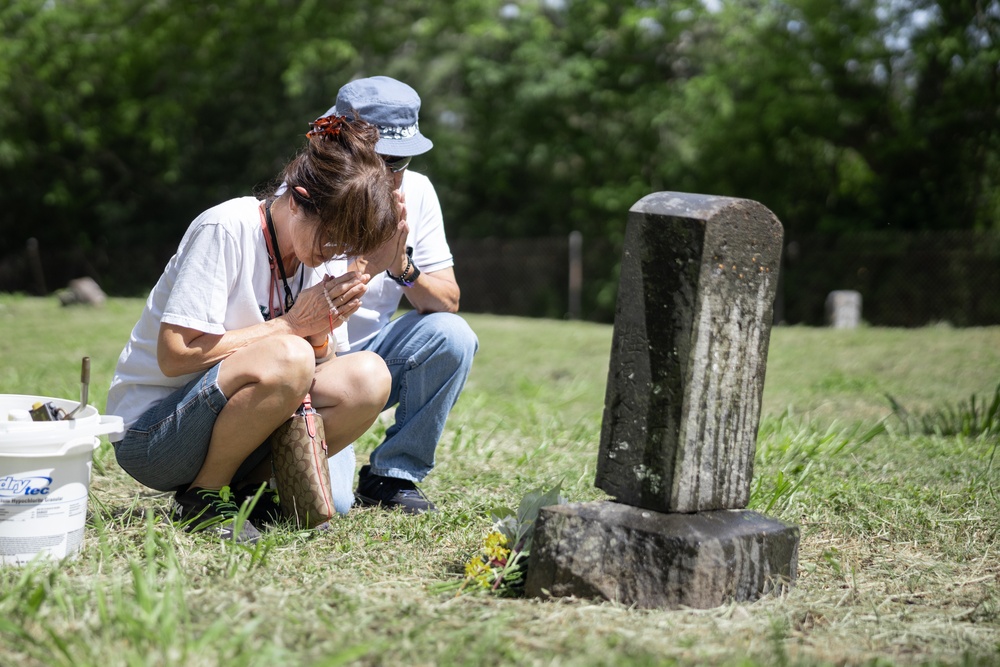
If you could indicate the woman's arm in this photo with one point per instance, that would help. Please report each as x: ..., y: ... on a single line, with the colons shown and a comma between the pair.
x: 182, y: 350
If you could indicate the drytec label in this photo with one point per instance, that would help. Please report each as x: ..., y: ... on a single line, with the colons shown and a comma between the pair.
x: 13, y: 486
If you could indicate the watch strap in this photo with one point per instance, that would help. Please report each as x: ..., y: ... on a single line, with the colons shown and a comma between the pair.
x: 410, y: 273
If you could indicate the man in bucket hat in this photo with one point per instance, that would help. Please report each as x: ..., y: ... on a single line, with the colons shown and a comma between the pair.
x: 428, y: 350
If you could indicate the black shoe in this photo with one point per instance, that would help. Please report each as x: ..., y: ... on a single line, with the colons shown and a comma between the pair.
x: 213, y: 511
x: 391, y: 492
x: 267, y: 510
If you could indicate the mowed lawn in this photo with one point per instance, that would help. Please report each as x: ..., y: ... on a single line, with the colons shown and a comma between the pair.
x: 899, y: 559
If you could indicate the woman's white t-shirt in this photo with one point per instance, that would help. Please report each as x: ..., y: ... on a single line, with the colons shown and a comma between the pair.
x: 219, y: 280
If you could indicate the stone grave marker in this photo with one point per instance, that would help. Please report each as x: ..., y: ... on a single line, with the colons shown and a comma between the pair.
x: 682, y: 407
x: 843, y: 309
x: 84, y: 291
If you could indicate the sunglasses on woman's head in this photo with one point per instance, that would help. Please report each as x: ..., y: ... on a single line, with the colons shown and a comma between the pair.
x: 396, y: 164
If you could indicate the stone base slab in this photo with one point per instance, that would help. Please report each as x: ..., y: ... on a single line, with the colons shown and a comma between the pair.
x: 656, y: 560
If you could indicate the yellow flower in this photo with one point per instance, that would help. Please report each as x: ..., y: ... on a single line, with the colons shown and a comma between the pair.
x: 474, y: 567
x: 495, y: 548
x: 496, y: 539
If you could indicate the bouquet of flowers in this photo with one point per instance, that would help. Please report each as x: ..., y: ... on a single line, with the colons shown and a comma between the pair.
x: 501, y: 564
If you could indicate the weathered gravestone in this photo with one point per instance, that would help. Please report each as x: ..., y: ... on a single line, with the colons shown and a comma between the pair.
x: 689, y: 350
x: 843, y: 309
x: 84, y: 291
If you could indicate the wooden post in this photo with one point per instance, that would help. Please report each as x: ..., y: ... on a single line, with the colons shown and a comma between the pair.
x: 35, y: 262
x: 575, y: 274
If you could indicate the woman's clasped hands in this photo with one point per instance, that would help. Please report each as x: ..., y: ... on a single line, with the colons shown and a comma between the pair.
x: 324, y: 307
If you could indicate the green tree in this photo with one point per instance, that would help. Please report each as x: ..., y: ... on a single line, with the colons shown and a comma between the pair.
x: 851, y: 115
x: 122, y: 119
x: 555, y: 119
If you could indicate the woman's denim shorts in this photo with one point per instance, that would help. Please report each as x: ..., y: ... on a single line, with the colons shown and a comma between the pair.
x: 167, y: 445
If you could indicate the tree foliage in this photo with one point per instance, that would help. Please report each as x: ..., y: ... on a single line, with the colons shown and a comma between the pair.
x: 121, y: 119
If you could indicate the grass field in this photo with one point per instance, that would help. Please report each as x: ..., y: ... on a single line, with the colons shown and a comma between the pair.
x: 899, y: 559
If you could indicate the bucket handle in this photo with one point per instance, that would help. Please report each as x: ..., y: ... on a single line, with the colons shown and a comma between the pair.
x: 110, y: 425
x: 106, y: 425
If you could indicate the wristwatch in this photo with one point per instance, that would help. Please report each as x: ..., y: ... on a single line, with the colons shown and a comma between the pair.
x: 410, y: 273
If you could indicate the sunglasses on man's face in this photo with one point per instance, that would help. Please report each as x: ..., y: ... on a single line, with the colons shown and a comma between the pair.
x: 396, y: 164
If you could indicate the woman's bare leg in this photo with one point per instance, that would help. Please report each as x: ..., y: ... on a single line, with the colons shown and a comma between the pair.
x: 349, y: 393
x: 264, y: 383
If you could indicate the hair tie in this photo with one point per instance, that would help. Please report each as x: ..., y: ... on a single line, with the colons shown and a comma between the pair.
x: 327, y: 126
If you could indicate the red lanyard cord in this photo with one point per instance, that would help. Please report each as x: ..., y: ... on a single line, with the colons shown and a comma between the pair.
x: 274, y: 260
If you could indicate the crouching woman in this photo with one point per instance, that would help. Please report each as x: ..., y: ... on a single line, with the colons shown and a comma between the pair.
x: 245, y: 321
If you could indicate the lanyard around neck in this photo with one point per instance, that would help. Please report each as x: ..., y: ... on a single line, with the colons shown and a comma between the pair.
x: 274, y: 260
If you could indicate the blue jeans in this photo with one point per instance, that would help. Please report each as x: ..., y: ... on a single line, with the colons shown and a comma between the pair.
x: 430, y: 357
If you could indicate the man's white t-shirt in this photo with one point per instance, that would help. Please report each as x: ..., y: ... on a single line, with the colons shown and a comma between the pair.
x: 218, y: 280
x: 430, y: 253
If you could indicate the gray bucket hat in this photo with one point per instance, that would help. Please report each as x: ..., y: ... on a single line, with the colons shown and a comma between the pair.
x: 392, y: 107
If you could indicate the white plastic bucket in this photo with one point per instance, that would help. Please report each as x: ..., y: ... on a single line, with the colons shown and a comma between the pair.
x: 45, y: 477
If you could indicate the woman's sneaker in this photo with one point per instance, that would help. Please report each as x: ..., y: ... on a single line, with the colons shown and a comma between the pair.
x: 267, y: 510
x: 213, y: 511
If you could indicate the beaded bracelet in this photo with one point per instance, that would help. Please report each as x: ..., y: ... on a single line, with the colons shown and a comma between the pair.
x: 407, y: 278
